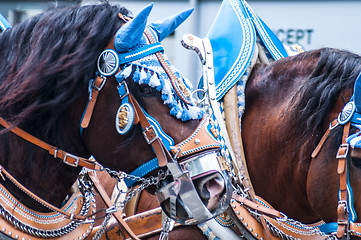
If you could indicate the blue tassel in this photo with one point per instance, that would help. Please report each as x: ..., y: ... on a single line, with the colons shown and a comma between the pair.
x: 142, y: 76
x: 127, y: 70
x: 185, y: 115
x: 174, y: 110
x: 200, y: 114
x: 136, y: 75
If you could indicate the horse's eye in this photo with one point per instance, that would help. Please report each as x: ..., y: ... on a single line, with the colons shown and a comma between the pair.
x: 146, y: 90
x: 356, y: 162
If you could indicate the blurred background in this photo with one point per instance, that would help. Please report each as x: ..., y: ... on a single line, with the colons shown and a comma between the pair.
x: 309, y: 23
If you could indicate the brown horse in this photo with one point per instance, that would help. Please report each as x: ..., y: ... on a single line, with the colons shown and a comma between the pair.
x: 46, y: 68
x: 289, y: 105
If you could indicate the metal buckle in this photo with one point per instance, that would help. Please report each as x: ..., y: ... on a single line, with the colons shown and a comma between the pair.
x: 338, y: 155
x: 343, y: 202
x: 101, y: 84
x: 126, y: 89
x: 146, y: 137
x: 333, y: 126
x: 283, y: 217
x: 75, y: 164
x: 111, y: 210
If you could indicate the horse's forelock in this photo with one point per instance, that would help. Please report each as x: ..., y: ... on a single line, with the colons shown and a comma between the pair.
x: 48, y: 60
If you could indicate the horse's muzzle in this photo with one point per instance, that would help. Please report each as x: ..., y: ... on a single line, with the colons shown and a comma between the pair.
x: 200, y: 191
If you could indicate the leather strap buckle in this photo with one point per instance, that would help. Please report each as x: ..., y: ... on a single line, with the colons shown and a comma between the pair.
x: 333, y: 124
x: 102, y: 83
x: 342, y: 221
x: 68, y: 157
x: 152, y: 134
x: 342, y: 151
x: 123, y: 90
x: 343, y: 205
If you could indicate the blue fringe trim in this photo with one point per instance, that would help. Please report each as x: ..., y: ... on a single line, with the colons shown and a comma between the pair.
x: 144, y: 75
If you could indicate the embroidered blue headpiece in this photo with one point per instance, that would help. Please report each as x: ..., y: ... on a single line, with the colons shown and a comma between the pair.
x: 233, y: 39
x: 136, y: 51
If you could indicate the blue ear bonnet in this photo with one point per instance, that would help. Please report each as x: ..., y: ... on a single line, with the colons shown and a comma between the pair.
x: 140, y: 55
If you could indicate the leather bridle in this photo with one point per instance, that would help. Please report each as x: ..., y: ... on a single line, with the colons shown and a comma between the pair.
x: 345, y: 224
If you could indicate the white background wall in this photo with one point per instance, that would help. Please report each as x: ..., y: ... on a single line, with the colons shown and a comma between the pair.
x: 312, y: 24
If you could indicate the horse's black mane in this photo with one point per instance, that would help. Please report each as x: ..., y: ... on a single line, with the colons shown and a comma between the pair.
x: 47, y: 62
x: 335, y: 72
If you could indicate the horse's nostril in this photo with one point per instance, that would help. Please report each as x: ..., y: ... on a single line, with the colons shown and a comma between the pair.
x: 215, y: 185
x: 210, y: 189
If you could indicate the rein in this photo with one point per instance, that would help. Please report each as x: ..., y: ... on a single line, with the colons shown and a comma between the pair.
x: 68, y: 158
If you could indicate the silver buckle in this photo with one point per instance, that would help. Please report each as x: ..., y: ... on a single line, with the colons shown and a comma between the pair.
x: 125, y: 88
x: 75, y: 164
x: 338, y: 155
x: 146, y: 137
x: 330, y: 126
x: 101, y: 84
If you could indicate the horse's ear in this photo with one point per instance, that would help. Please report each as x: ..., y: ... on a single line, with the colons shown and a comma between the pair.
x: 166, y: 26
x: 357, y: 93
x: 131, y: 33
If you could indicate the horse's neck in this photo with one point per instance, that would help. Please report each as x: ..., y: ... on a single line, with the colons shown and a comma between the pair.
x: 277, y: 161
x: 34, y: 168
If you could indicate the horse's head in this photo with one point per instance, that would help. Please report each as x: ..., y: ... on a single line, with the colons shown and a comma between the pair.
x: 144, y: 122
x: 338, y: 155
x: 135, y: 115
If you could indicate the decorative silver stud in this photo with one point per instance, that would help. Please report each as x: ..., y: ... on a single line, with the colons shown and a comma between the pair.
x: 108, y: 62
x: 197, y: 141
x: 346, y: 113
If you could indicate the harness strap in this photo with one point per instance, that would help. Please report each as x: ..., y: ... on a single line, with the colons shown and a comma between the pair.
x: 166, y: 68
x: 67, y: 158
x: 257, y: 207
x: 150, y: 134
x: 355, y: 228
x: 332, y: 125
x: 41, y: 201
x: 342, y: 212
x: 96, y: 87
x: 103, y: 194
x: 144, y: 224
